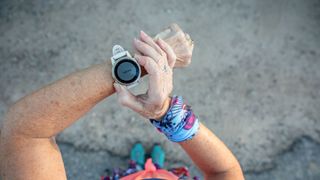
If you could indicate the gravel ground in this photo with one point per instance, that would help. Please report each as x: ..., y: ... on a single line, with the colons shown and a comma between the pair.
x: 300, y: 161
x: 254, y: 79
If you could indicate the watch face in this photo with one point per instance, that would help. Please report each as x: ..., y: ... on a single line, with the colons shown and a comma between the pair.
x: 127, y: 71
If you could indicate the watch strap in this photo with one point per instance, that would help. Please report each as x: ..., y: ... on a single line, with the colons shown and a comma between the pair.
x: 118, y: 52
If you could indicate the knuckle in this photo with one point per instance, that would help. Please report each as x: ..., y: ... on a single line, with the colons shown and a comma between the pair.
x: 152, y: 61
x: 142, y: 45
x: 162, y: 53
x: 147, y: 59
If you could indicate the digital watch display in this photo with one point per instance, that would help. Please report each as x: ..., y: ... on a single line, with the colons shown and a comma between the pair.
x: 125, y: 69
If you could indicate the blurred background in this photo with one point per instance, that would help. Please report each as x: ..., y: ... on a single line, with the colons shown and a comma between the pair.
x: 254, y: 78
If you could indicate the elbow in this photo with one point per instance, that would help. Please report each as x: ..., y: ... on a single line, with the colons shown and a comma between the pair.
x: 10, y: 125
x: 5, y: 126
x: 233, y: 172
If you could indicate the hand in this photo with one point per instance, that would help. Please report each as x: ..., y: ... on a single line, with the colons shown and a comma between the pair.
x: 180, y: 42
x: 158, y: 59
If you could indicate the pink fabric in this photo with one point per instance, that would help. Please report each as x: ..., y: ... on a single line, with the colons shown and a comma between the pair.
x: 151, y: 172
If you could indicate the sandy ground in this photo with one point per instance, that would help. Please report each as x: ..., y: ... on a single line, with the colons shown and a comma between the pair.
x: 254, y: 79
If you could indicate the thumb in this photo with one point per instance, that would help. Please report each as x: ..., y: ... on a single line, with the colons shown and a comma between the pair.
x: 126, y: 98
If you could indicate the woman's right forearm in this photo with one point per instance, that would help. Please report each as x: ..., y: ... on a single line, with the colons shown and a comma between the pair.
x: 210, y: 154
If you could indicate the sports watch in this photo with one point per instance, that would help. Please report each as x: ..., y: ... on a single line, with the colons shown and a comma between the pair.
x: 125, y: 69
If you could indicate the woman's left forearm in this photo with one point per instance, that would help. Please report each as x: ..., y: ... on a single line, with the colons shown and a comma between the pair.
x: 47, y: 111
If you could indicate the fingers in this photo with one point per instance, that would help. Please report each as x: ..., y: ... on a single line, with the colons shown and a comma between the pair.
x: 135, y: 50
x: 126, y: 98
x: 146, y: 50
x: 171, y: 56
x: 152, y: 69
x: 148, y: 40
x: 148, y: 63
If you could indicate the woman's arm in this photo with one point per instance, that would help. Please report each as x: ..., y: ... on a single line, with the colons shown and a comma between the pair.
x: 212, y: 157
x: 27, y: 145
x: 49, y: 110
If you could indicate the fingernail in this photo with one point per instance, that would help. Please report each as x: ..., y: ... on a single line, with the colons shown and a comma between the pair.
x: 142, y: 33
x: 160, y: 40
x: 136, y: 41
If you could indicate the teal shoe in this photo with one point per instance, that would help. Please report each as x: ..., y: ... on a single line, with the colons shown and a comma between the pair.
x: 158, y: 155
x: 138, y: 154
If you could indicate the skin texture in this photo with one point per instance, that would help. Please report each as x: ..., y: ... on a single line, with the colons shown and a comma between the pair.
x: 27, y: 146
x: 211, y: 156
x: 158, y: 60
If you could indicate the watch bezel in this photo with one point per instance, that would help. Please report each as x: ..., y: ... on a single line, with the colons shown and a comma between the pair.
x: 117, y: 79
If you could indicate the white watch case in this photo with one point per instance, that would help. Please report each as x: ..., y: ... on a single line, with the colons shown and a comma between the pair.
x: 120, y: 56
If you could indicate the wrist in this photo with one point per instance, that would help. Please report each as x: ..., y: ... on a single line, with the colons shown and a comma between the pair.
x: 164, y: 109
x: 179, y: 123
